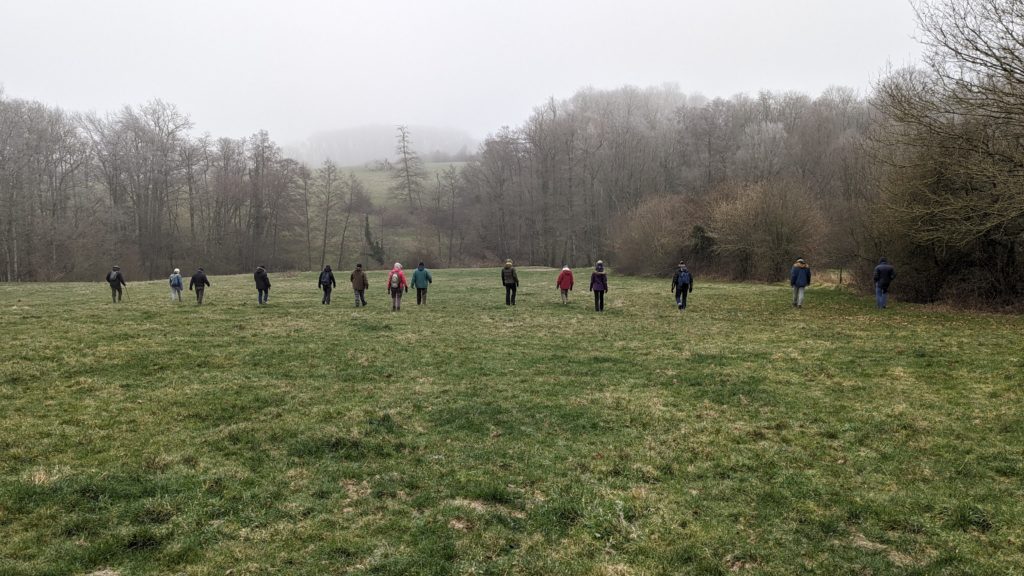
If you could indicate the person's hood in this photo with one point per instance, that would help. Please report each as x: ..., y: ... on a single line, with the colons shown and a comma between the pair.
x: 177, y: 271
x: 883, y: 261
x: 397, y: 266
x: 421, y: 267
x: 800, y: 264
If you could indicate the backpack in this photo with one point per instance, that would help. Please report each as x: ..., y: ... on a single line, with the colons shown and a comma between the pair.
x: 683, y: 278
x: 395, y: 280
x: 325, y: 278
x: 176, y: 281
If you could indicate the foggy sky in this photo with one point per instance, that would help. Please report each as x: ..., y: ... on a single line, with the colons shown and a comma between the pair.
x: 300, y: 66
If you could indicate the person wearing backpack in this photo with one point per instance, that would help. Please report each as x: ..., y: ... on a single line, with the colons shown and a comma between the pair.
x: 326, y: 283
x: 359, y: 285
x: 262, y: 284
x: 116, y: 280
x: 421, y: 279
x: 199, y: 282
x: 682, y: 284
x: 510, y: 280
x: 396, y: 284
x: 177, y: 285
x: 564, y: 282
x: 599, y: 285
x: 799, y: 279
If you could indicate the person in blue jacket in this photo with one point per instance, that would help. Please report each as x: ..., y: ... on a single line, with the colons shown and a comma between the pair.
x: 883, y: 277
x: 799, y: 279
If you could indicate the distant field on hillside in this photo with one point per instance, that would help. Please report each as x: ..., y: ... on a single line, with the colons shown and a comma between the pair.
x: 378, y: 182
x: 467, y: 437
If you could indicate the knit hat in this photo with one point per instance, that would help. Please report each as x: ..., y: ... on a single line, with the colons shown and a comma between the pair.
x: 600, y: 266
x: 176, y: 271
x: 117, y: 267
x: 566, y: 268
x: 398, y: 266
x: 359, y: 265
x: 801, y: 260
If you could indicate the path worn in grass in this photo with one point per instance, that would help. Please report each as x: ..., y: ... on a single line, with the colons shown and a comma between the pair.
x: 470, y: 438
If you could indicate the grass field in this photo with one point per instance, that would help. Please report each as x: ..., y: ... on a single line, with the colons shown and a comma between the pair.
x: 741, y: 436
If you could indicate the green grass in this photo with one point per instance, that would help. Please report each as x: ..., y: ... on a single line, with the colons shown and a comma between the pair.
x: 470, y: 438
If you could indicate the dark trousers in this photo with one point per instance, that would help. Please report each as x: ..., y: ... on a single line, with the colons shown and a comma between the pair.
x: 510, y: 294
x: 263, y: 295
x: 199, y: 295
x: 327, y: 295
x: 115, y: 293
x: 360, y: 297
x: 599, y: 300
x: 396, y: 298
x: 421, y: 296
x: 681, y: 292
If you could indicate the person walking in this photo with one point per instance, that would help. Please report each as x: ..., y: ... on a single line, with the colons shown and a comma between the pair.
x: 177, y: 285
x: 199, y: 282
x: 884, y: 275
x: 599, y: 285
x: 396, y: 284
x: 421, y: 280
x: 326, y: 283
x: 262, y: 284
x: 799, y: 279
x: 510, y: 280
x: 116, y: 280
x: 682, y: 285
x: 564, y: 283
x: 359, y: 285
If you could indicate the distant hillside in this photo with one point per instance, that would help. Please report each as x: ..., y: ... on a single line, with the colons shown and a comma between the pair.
x: 357, y: 146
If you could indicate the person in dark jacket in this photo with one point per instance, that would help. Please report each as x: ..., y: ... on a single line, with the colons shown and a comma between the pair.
x: 510, y: 280
x: 799, y: 279
x: 682, y: 285
x: 326, y: 283
x: 199, y: 282
x: 421, y: 280
x: 116, y: 280
x: 359, y: 285
x: 599, y: 285
x: 262, y: 284
x: 884, y: 275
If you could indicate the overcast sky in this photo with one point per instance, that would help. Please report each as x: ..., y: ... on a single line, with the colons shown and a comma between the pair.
x: 295, y: 67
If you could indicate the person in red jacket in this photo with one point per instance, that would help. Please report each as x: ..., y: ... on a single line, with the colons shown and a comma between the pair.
x: 564, y: 283
x: 396, y: 284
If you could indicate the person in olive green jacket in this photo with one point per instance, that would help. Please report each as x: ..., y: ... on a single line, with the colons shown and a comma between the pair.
x: 421, y: 279
x: 359, y: 285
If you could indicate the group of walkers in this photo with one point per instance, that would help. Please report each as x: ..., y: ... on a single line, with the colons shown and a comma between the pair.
x: 397, y: 284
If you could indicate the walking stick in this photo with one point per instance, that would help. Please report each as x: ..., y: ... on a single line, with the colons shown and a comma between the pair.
x: 126, y: 296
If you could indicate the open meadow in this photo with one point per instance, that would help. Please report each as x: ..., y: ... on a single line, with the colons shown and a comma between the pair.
x: 466, y: 437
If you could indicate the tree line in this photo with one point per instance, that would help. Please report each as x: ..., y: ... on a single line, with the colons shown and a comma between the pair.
x: 925, y: 170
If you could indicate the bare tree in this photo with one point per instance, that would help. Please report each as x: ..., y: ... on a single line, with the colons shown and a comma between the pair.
x: 407, y: 179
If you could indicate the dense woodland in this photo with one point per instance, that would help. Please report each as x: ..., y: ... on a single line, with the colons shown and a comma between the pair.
x: 926, y: 170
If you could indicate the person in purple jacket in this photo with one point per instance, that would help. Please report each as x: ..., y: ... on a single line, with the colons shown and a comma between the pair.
x: 599, y: 285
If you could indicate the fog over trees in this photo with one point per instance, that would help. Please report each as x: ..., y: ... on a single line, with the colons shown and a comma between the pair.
x: 925, y: 170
